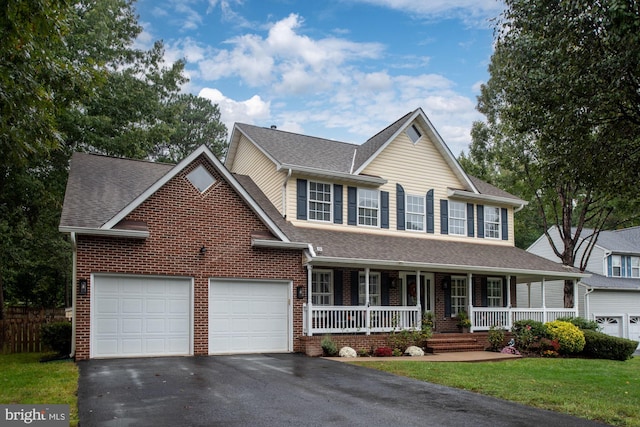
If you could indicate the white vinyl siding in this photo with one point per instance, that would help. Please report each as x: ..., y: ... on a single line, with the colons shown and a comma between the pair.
x: 415, y: 213
x: 458, y: 295
x: 322, y: 287
x: 320, y: 196
x: 494, y: 292
x: 374, y: 289
x: 492, y: 226
x: 368, y: 207
x: 457, y: 218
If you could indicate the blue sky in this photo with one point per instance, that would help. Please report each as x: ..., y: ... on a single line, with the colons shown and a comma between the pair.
x: 338, y: 69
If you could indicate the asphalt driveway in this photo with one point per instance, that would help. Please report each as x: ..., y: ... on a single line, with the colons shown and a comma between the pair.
x: 281, y: 389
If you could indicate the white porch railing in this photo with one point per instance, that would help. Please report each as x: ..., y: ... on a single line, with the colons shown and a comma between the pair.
x: 483, y: 318
x: 337, y: 319
x: 334, y: 319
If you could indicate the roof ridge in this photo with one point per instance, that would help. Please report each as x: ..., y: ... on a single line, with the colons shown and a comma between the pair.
x: 300, y: 134
x: 124, y: 158
x: 391, y: 124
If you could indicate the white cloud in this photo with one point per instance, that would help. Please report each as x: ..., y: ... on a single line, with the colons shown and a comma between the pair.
x: 248, y: 111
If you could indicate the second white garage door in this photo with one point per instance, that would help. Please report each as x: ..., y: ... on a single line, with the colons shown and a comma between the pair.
x: 249, y: 316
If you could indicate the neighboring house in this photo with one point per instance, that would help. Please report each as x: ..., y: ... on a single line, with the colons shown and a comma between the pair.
x: 293, y: 238
x: 611, y: 295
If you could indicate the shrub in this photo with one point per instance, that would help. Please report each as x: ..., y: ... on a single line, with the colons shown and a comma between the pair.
x: 383, y: 352
x: 56, y: 336
x: 603, y: 346
x: 496, y: 338
x: 568, y: 335
x: 527, y: 332
x: 328, y: 346
x: 396, y: 352
x: 581, y: 323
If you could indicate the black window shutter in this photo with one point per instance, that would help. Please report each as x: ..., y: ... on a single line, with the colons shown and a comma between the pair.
x: 400, y: 207
x: 470, y: 220
x: 384, y: 209
x: 447, y: 297
x: 337, y: 287
x: 444, y: 217
x: 504, y: 291
x: 337, y: 204
x: 505, y: 224
x: 352, y: 206
x: 301, y: 197
x: 484, y: 300
x: 355, y: 292
x: 430, y: 212
x: 480, y: 221
x: 386, y: 285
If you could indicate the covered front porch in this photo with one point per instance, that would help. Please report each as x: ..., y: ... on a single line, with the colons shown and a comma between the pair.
x: 383, y: 301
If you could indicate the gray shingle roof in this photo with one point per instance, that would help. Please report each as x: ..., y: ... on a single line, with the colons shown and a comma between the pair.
x: 490, y: 190
x: 626, y: 240
x: 99, y: 187
x: 602, y: 282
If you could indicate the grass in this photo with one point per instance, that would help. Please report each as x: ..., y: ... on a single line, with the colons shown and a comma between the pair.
x: 24, y: 380
x: 601, y: 390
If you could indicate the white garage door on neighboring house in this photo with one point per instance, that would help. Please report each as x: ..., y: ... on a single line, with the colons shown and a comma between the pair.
x: 634, y: 329
x: 610, y: 325
x: 249, y: 316
x: 137, y: 316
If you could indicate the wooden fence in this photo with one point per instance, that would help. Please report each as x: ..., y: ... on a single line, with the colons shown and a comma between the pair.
x: 20, y: 328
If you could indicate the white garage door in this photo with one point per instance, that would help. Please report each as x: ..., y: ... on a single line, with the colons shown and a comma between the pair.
x: 610, y: 325
x: 140, y: 316
x: 249, y: 316
x: 634, y: 329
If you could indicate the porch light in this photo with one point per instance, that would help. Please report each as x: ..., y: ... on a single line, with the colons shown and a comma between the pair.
x: 82, y: 287
x: 445, y: 283
x: 299, y: 292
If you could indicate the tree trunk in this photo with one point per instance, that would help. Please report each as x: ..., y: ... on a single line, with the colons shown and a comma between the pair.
x: 568, y: 294
x: 1, y: 299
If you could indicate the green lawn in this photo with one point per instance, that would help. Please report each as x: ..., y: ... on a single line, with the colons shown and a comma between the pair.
x: 23, y: 379
x: 601, y: 390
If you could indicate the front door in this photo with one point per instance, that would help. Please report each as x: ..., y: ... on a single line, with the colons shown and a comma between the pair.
x: 410, y: 293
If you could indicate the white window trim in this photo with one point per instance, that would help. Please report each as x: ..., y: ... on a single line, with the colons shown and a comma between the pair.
x: 463, y: 219
x: 407, y: 213
x: 614, y: 266
x: 499, y: 237
x: 635, y: 268
x: 330, y: 220
x: 331, y: 283
x: 378, y: 295
x: 364, y: 207
x: 496, y: 298
x: 455, y: 309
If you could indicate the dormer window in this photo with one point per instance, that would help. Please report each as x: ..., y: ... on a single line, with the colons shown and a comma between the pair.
x: 413, y: 133
x: 635, y: 266
x: 616, y: 266
x: 201, y: 178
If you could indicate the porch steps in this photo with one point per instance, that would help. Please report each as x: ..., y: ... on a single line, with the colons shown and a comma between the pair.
x: 450, y: 343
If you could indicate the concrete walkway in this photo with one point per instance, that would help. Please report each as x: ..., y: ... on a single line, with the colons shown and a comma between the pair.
x: 461, y: 356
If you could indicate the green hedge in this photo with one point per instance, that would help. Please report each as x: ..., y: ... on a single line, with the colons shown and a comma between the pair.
x: 603, y: 346
x: 56, y: 336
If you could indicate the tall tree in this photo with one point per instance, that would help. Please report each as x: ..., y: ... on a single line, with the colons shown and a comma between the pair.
x: 563, y: 109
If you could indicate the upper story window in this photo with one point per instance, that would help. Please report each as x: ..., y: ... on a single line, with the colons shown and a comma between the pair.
x: 492, y: 222
x: 635, y: 266
x: 319, y: 201
x: 413, y: 133
x: 415, y: 213
x: 374, y: 289
x: 201, y: 178
x: 322, y: 287
x: 494, y: 292
x: 368, y: 207
x: 457, y: 218
x: 616, y: 266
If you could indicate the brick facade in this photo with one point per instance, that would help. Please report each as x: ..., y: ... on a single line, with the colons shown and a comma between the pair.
x: 180, y: 221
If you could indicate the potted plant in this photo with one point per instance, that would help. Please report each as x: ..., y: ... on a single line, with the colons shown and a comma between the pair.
x: 463, y: 321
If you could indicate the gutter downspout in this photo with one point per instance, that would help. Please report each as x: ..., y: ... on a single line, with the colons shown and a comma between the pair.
x: 518, y: 209
x: 587, y: 307
x: 74, y: 290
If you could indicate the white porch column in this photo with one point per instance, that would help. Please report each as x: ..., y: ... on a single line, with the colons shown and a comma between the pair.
x: 575, y: 298
x: 470, y: 298
x: 508, y: 291
x: 309, y: 296
x: 544, y: 304
x: 366, y: 301
x: 418, y: 299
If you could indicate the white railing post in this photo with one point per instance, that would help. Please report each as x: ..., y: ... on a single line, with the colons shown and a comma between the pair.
x: 309, y: 299
x: 366, y: 301
x: 544, y: 304
x: 470, y: 299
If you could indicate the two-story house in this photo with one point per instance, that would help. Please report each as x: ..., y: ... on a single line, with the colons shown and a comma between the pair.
x: 292, y: 238
x: 611, y: 295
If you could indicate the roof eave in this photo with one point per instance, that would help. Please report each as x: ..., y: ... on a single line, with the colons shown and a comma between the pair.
x: 131, y: 234
x: 468, y: 195
x: 360, y: 179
